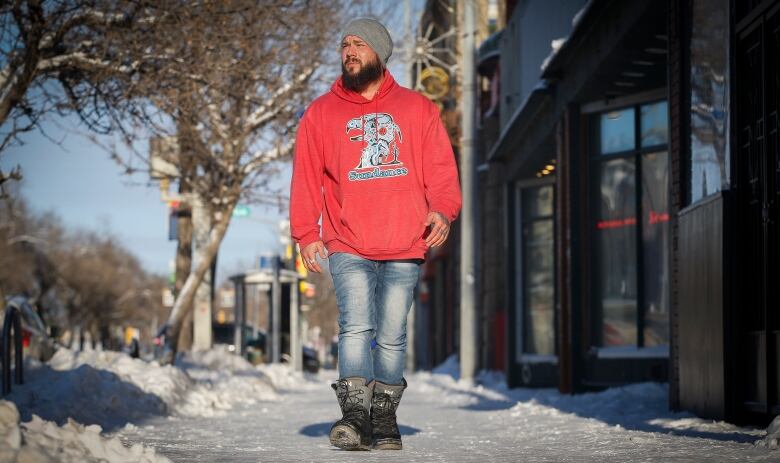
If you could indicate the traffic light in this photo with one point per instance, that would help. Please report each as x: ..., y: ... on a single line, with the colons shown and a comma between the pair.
x: 299, y: 267
x: 307, y: 289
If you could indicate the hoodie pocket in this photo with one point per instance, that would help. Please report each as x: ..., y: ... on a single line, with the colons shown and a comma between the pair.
x: 386, y: 221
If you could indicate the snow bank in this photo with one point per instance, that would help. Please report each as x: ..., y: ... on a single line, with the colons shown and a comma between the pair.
x: 449, y: 367
x: 111, y: 389
x: 639, y: 407
x: 225, y: 380
x: 772, y: 439
x: 44, y: 441
x: 284, y: 378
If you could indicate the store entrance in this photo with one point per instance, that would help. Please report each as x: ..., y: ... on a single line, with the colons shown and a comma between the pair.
x: 758, y: 200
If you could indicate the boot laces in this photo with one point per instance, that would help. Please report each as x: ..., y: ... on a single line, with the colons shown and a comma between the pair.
x: 383, y: 412
x: 351, y: 403
x: 386, y: 401
x: 350, y: 398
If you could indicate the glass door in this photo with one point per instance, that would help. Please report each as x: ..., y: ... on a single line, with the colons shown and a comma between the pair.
x: 535, y: 305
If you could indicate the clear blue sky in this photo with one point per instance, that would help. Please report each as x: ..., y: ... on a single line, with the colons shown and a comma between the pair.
x: 78, y: 181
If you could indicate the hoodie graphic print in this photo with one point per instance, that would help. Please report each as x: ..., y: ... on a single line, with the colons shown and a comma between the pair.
x: 381, y: 136
x: 370, y: 171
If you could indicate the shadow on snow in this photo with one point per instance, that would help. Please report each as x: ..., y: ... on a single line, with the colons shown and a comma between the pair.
x: 633, y: 407
x: 86, y: 394
x: 323, y: 429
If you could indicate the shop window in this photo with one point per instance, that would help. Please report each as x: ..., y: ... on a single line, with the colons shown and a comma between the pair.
x: 630, y: 227
x: 654, y: 124
x: 708, y: 164
x: 617, y: 131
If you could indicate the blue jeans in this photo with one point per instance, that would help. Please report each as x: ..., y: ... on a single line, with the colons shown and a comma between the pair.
x: 374, y: 298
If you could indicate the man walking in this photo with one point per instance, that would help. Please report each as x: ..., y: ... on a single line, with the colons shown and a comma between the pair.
x: 373, y: 164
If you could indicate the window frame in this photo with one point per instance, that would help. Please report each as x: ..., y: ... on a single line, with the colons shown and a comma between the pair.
x: 518, y: 347
x: 592, y: 113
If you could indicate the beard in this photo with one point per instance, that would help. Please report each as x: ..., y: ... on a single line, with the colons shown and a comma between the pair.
x: 367, y: 74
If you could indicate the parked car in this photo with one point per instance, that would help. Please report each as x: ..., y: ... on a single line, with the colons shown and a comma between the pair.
x: 255, y: 346
x: 310, y: 361
x: 36, y: 342
x: 224, y: 333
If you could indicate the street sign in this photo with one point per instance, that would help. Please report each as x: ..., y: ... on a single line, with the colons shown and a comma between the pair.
x: 167, y: 298
x: 241, y: 210
x: 173, y: 224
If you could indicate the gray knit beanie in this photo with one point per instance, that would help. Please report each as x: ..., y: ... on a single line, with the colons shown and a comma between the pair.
x: 373, y: 33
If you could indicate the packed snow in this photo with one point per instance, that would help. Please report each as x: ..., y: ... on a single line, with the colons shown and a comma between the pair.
x: 772, y: 438
x: 215, y: 406
x: 111, y: 389
x: 44, y: 441
x: 68, y: 402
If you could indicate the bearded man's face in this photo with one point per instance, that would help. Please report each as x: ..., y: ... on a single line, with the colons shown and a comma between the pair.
x: 360, y: 65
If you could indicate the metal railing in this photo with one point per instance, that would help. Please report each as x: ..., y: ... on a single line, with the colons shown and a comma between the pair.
x: 12, y: 322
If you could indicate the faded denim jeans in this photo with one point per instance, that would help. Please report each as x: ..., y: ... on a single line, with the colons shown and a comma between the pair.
x: 374, y: 298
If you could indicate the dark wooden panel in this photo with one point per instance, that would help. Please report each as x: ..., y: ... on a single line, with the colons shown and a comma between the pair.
x: 608, y: 372
x: 754, y: 378
x: 776, y: 348
x: 701, y: 309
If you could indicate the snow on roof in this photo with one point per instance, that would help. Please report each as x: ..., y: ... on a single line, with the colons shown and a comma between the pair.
x: 558, y: 44
x: 555, y: 45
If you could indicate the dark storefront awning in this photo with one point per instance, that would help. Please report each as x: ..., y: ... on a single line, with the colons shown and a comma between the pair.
x: 516, y: 135
x: 615, y: 48
x: 488, y: 53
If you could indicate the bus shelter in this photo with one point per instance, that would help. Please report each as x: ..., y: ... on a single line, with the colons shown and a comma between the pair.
x: 284, y: 314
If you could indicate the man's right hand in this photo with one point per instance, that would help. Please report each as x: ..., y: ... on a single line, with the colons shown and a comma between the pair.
x: 309, y: 256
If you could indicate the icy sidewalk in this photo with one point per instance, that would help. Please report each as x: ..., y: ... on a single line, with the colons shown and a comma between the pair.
x: 69, y: 407
x: 447, y: 421
x: 214, y: 406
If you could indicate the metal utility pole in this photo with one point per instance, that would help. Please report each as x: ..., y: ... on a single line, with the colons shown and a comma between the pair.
x: 410, y: 44
x: 276, y: 311
x: 468, y: 312
x: 296, y: 347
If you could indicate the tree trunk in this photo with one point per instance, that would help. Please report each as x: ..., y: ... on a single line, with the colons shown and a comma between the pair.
x: 184, y: 261
x: 202, y: 306
x: 184, y: 225
x: 184, y: 300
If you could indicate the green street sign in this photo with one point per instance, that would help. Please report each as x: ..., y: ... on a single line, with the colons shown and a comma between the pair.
x: 241, y: 210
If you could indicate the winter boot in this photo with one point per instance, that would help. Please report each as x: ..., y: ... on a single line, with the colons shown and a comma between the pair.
x: 383, y: 406
x: 353, y: 430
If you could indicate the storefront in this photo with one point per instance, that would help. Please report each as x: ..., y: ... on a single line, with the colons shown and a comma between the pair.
x: 518, y: 192
x: 726, y: 341
x: 586, y: 166
x: 639, y: 187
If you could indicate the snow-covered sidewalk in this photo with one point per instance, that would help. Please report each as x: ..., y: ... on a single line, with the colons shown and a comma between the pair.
x: 217, y: 407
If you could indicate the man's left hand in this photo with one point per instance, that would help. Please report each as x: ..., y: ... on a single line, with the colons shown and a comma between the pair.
x: 440, y: 229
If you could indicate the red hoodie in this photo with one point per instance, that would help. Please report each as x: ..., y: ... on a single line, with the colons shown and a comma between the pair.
x: 372, y: 169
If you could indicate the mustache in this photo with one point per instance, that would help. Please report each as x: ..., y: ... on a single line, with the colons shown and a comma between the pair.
x: 352, y: 60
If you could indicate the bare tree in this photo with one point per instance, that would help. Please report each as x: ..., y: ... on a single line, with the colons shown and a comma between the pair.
x: 104, y: 286
x: 229, y: 83
x: 55, y: 56
x: 75, y: 279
